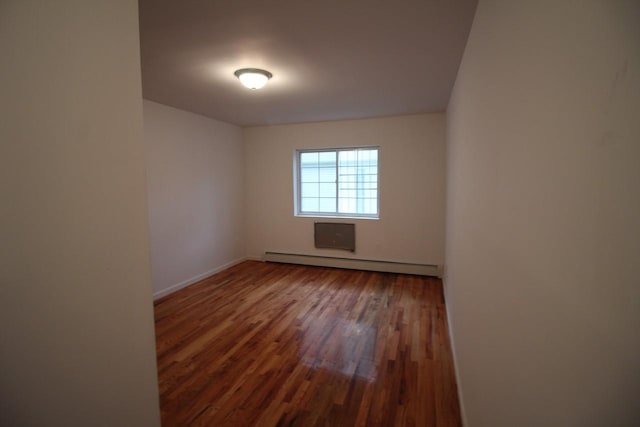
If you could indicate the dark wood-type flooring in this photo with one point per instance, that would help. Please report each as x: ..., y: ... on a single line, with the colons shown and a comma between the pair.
x: 264, y: 344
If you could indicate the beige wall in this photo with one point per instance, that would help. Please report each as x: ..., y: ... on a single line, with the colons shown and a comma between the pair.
x: 76, y: 326
x: 411, y: 224
x: 543, y: 230
x: 195, y: 172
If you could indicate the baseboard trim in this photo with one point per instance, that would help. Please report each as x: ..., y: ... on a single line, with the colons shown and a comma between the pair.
x: 194, y: 279
x: 463, y: 414
x: 355, y: 263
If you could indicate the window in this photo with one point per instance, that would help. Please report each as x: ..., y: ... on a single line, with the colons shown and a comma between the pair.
x: 337, y: 182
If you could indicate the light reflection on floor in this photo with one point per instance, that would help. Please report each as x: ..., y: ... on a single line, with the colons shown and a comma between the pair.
x: 346, y: 347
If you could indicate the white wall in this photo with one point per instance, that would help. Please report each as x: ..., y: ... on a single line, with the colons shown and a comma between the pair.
x: 411, y: 224
x: 543, y: 214
x: 76, y: 323
x: 195, y: 171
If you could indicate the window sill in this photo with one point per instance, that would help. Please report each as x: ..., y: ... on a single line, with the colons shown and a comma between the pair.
x: 336, y: 217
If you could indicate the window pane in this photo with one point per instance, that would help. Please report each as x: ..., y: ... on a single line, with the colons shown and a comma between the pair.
x: 347, y: 158
x: 348, y: 180
x: 327, y: 174
x: 347, y: 205
x: 327, y: 190
x: 356, y: 172
x: 309, y: 190
x: 309, y: 204
x: 367, y: 170
x: 308, y: 160
x: 328, y: 205
x: 348, y: 193
x: 363, y: 157
x: 370, y: 206
x: 309, y: 175
x: 347, y: 171
x: 327, y: 158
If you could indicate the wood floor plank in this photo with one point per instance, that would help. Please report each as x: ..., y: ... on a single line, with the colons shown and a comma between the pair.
x: 264, y: 344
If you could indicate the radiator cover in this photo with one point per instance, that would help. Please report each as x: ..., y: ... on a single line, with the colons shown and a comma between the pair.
x: 355, y: 263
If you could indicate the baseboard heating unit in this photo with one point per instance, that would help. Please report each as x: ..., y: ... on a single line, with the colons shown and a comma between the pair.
x: 355, y: 264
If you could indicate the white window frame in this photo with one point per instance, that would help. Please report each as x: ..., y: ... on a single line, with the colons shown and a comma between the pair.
x: 297, y: 184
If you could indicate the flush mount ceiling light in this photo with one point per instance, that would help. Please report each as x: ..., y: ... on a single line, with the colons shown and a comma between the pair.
x: 253, y: 78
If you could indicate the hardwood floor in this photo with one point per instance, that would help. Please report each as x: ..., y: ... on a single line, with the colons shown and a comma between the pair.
x: 264, y: 344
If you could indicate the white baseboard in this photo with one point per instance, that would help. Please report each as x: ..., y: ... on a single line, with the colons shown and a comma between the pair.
x: 355, y: 263
x: 194, y: 279
x: 463, y: 414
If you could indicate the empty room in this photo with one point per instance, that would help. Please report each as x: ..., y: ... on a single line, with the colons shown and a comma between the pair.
x: 343, y: 213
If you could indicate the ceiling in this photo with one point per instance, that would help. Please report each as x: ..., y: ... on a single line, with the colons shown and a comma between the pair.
x: 331, y: 59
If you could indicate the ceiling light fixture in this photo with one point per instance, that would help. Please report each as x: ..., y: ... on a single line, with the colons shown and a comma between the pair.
x: 253, y: 78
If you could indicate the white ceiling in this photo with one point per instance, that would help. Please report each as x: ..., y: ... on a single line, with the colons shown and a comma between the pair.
x: 331, y: 59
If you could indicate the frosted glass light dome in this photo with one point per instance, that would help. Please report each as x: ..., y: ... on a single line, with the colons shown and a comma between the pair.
x: 253, y: 78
